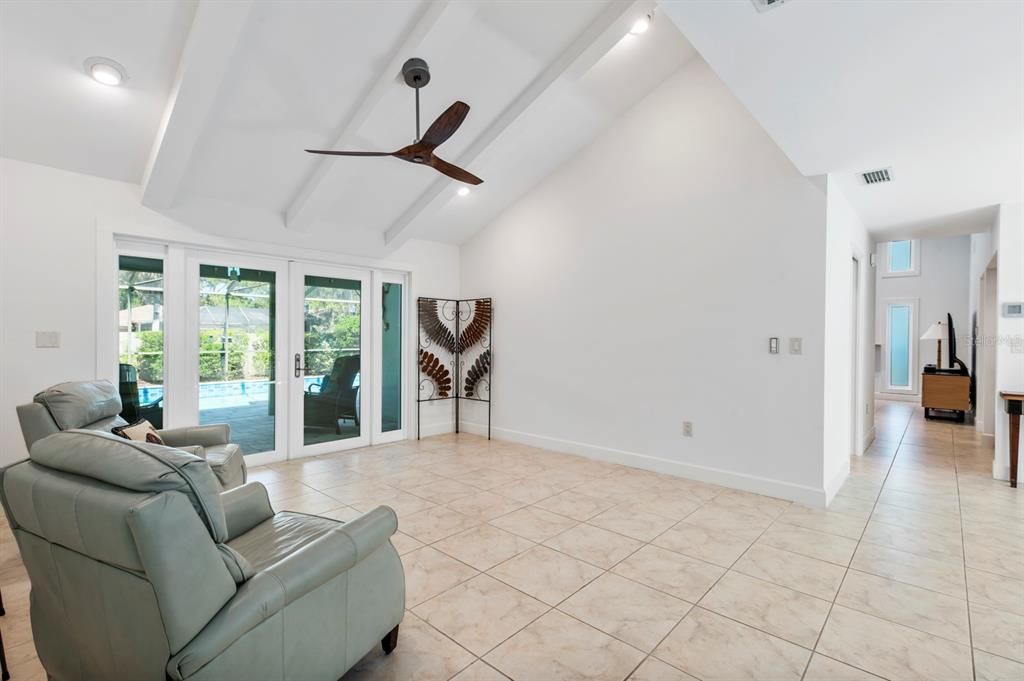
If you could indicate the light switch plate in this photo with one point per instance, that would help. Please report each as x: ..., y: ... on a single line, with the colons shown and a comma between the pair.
x: 796, y: 346
x: 47, y: 339
x: 773, y: 345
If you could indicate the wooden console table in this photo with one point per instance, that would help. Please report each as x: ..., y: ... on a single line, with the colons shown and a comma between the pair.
x: 1014, y: 407
x: 950, y: 392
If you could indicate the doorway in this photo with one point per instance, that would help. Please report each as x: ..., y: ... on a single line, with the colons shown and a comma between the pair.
x: 855, y: 411
x: 985, y: 372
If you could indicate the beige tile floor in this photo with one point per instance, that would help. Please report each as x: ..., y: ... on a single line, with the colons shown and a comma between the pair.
x: 538, y: 566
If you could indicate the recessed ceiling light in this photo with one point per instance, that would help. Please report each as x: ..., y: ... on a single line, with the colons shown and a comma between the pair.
x: 463, y: 191
x: 641, y: 25
x: 106, y: 71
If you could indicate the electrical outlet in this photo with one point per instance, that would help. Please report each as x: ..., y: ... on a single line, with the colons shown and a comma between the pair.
x: 47, y: 339
x: 796, y: 346
x: 687, y: 428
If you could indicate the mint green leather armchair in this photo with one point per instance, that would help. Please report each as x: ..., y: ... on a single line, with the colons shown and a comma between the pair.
x: 96, y: 405
x: 142, y: 569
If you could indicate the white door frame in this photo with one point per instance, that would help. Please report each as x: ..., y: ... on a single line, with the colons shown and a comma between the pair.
x: 190, y: 397
x: 296, y: 346
x: 987, y: 406
x: 855, y: 410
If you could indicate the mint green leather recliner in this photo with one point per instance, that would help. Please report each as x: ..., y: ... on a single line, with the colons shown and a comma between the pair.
x: 96, y: 405
x: 142, y: 569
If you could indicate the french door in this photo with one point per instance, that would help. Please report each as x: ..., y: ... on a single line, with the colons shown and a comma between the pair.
x: 236, y: 323
x: 300, y: 359
x: 331, y: 360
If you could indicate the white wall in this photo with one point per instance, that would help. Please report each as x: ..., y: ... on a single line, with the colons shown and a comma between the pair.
x: 48, y: 275
x: 638, y: 285
x: 848, y: 399
x: 940, y: 288
x: 1009, y: 330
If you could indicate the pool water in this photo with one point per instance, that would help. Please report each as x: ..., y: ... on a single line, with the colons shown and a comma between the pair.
x: 223, y: 394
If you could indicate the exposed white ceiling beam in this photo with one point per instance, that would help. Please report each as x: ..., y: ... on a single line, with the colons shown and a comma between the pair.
x: 204, y: 63
x: 592, y: 44
x: 315, y: 196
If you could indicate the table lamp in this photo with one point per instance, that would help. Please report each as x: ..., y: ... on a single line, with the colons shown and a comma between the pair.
x: 936, y: 332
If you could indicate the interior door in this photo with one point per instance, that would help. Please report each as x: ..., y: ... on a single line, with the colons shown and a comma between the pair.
x: 331, y: 362
x: 235, y: 349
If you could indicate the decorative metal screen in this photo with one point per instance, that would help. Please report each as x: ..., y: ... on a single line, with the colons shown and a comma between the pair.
x: 455, y: 355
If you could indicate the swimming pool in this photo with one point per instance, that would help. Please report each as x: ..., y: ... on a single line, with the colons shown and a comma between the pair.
x: 218, y: 394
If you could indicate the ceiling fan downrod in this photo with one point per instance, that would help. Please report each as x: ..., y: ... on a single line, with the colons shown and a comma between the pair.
x: 416, y: 74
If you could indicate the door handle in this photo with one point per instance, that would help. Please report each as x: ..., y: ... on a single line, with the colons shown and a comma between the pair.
x: 298, y: 365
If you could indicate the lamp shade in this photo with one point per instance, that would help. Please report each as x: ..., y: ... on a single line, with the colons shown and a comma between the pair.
x: 936, y: 331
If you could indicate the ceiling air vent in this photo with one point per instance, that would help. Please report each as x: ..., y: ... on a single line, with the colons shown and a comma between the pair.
x: 765, y: 5
x: 877, y: 176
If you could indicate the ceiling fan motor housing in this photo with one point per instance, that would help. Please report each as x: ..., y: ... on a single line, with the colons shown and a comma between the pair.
x: 416, y: 72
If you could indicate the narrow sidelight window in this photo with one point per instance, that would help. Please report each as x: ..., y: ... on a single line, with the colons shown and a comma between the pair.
x: 140, y: 334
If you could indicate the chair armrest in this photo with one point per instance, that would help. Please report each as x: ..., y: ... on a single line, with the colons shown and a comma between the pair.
x: 246, y: 507
x: 207, y: 436
x: 291, y: 578
x: 194, y: 450
x: 333, y: 553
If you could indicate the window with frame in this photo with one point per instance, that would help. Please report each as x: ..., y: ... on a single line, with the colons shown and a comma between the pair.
x: 141, y: 338
x: 901, y: 258
x: 901, y: 345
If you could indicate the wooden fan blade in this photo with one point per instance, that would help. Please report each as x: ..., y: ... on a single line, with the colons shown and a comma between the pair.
x: 348, y: 153
x: 454, y: 171
x: 445, y: 125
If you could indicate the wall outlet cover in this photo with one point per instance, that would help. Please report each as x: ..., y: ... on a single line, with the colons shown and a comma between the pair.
x: 687, y: 428
x: 47, y: 339
x: 796, y: 346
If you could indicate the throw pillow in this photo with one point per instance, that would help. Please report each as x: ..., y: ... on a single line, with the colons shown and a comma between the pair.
x: 140, y: 431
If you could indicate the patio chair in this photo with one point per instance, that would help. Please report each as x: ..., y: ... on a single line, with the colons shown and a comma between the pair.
x: 132, y: 408
x: 336, y: 397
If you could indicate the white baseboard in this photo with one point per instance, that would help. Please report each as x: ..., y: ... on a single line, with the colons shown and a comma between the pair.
x: 1000, y: 471
x: 809, y: 496
x: 835, y: 484
x: 898, y: 397
x: 869, y: 438
x: 436, y: 428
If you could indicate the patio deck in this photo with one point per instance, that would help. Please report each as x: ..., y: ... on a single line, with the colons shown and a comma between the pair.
x: 252, y: 427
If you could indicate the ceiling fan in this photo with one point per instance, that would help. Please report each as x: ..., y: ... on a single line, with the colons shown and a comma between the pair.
x: 416, y: 75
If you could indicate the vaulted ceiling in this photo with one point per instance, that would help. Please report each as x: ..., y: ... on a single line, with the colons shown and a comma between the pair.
x: 222, y: 98
x: 933, y: 89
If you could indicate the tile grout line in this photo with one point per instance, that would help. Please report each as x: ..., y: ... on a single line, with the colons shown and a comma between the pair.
x: 588, y: 583
x: 704, y: 503
x: 963, y: 548
x: 828, y: 616
x: 650, y: 542
x: 706, y: 592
